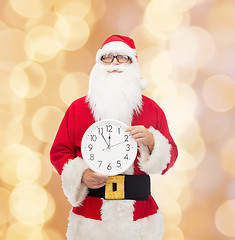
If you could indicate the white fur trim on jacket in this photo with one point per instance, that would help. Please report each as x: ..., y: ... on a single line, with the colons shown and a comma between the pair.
x: 160, y: 156
x: 149, y: 228
x: 71, y: 177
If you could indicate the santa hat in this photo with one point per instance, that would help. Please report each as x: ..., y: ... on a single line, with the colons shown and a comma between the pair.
x: 117, y: 44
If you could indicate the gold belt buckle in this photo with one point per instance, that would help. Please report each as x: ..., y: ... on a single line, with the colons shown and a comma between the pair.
x: 114, y: 187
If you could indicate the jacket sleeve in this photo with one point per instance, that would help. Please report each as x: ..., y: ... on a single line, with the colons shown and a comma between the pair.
x: 165, y: 151
x: 64, y: 159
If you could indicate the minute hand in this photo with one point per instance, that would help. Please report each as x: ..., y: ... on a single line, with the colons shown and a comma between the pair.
x: 117, y: 144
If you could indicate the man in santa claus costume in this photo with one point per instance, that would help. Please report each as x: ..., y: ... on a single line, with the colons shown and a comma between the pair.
x: 114, y: 93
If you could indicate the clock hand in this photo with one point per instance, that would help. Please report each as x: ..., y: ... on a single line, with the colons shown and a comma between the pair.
x: 104, y: 140
x: 109, y: 139
x: 113, y: 145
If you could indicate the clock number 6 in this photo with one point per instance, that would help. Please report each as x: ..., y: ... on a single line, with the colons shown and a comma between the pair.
x: 109, y: 167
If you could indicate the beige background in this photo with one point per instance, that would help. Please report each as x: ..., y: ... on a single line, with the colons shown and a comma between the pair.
x: 186, y: 52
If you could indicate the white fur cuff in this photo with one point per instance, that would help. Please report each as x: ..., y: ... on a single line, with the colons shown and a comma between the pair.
x: 160, y: 156
x: 71, y: 177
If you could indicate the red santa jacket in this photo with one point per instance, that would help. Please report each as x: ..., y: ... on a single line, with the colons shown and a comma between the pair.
x: 67, y: 159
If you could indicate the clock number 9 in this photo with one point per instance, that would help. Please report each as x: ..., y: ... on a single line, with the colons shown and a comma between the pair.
x: 90, y: 146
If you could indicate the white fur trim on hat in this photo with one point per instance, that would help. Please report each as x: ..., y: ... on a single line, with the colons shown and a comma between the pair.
x: 157, y: 162
x: 116, y: 47
x: 71, y: 177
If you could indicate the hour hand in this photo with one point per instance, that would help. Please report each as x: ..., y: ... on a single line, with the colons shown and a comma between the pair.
x: 104, y: 140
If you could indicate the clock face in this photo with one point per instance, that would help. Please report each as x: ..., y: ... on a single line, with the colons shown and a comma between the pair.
x: 107, y: 148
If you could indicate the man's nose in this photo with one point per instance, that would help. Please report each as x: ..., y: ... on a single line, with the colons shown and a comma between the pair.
x: 115, y: 61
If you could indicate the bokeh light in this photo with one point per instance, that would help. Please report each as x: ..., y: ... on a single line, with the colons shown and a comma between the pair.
x: 28, y: 79
x: 226, y: 211
x: 66, y: 34
x: 73, y: 85
x: 40, y: 44
x: 186, y: 53
x: 31, y: 8
x: 192, y: 47
x: 218, y: 93
x: 45, y: 122
x: 72, y: 7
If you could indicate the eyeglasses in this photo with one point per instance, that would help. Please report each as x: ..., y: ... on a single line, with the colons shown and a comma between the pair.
x: 110, y: 58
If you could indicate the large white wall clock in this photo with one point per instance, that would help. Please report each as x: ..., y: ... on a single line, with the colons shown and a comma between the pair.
x: 107, y: 148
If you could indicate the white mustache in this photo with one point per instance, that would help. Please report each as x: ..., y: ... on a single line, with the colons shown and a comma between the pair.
x: 117, y: 68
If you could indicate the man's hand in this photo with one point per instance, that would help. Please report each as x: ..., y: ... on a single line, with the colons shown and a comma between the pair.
x: 93, y: 180
x: 142, y: 135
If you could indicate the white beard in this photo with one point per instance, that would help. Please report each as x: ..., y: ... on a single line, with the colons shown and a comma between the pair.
x: 115, y: 95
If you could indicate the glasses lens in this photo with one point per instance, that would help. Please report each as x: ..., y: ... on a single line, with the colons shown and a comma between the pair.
x: 107, y: 58
x: 122, y: 58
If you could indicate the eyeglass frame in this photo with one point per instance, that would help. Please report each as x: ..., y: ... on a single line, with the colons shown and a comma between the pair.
x: 116, y: 56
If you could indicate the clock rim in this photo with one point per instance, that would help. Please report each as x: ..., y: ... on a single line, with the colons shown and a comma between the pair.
x: 82, y: 147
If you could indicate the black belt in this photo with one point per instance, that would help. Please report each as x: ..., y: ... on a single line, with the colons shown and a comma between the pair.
x: 134, y: 187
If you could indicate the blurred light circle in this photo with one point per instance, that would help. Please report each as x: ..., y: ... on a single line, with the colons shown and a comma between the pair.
x: 28, y: 168
x: 28, y: 201
x: 54, y: 234
x: 72, y: 7
x: 173, y: 232
x: 45, y: 123
x: 161, y: 67
x: 152, y: 39
x: 31, y: 8
x: 7, y: 95
x: 48, y: 19
x: 3, y: 26
x: 161, y: 187
x: 178, y: 5
x: 12, y: 46
x: 192, y: 47
x: 209, y: 123
x: 23, y: 231
x: 46, y: 170
x: 73, y: 86
x: 184, y: 162
x: 28, y: 79
x: 50, y: 209
x: 171, y: 210
x: 227, y: 156
x: 40, y: 44
x: 68, y: 36
x: 225, y: 218
x: 10, y: 135
x: 207, y: 182
x: 11, y: 114
x: 9, y: 159
x: 218, y: 93
x: 4, y: 210
x: 160, y: 18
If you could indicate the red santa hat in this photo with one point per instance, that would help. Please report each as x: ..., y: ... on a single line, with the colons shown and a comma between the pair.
x: 117, y: 44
